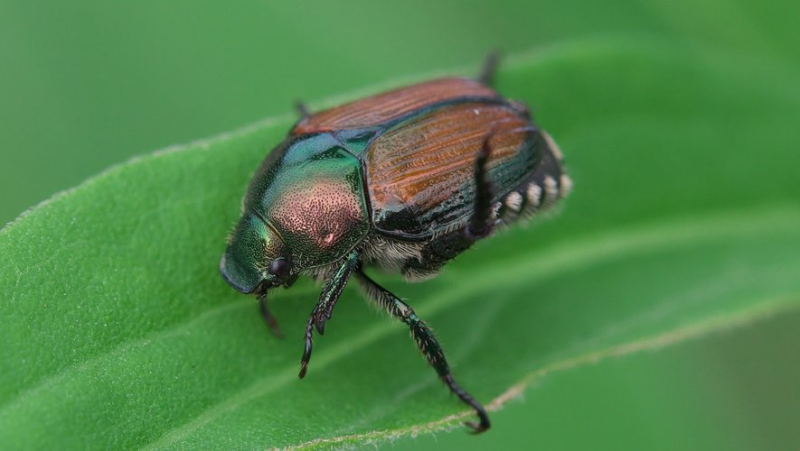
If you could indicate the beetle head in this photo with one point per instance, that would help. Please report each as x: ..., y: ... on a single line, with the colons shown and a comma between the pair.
x: 256, y: 258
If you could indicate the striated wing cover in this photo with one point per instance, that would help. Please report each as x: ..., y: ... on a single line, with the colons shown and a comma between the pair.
x: 394, y: 104
x: 420, y: 173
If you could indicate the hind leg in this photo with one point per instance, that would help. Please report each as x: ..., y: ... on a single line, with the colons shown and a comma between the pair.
x: 489, y: 68
x: 480, y: 225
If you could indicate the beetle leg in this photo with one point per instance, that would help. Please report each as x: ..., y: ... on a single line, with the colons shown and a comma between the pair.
x: 327, y: 301
x: 426, y: 342
x: 302, y: 109
x: 489, y: 68
x: 483, y: 220
x: 268, y: 318
x: 307, y: 351
x: 333, y: 290
x: 481, y: 223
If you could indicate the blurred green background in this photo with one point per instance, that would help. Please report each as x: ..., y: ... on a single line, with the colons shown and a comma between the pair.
x: 87, y: 84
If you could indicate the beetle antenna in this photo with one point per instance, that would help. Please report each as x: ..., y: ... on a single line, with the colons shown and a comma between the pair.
x: 489, y: 67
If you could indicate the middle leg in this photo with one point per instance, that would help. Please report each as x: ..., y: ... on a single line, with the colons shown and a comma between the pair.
x: 426, y: 342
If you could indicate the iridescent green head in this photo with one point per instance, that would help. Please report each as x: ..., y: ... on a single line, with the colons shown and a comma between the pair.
x: 256, y: 258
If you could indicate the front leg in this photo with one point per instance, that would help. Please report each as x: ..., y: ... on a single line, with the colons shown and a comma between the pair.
x: 327, y: 301
x: 272, y: 323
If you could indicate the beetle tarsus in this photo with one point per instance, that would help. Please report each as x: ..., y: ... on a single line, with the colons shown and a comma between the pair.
x: 483, y: 423
x: 309, y: 345
x: 302, y: 109
x: 489, y: 68
x: 320, y: 324
x: 477, y: 428
x: 426, y: 342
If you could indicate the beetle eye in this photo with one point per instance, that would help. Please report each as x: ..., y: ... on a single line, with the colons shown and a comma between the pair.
x: 279, y: 268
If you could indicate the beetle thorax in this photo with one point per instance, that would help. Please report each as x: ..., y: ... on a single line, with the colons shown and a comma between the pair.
x: 312, y: 195
x: 317, y: 218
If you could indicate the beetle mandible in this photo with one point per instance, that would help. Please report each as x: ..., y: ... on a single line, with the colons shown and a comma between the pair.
x: 403, y: 181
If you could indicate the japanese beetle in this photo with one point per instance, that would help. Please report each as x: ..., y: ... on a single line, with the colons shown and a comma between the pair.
x: 403, y: 181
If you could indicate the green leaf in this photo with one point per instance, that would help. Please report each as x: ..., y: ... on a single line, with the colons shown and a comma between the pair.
x: 118, y: 331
